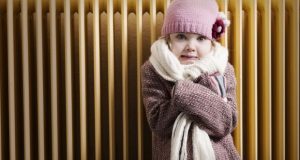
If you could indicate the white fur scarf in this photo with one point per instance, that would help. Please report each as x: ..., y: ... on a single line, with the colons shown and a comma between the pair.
x: 169, y: 67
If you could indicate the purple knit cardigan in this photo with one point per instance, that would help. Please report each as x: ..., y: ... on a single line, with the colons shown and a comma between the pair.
x: 164, y: 100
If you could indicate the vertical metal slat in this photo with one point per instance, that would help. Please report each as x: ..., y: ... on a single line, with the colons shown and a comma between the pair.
x: 68, y: 79
x: 1, y: 81
x: 0, y: 112
x: 54, y: 103
x: 83, y: 134
x: 237, y: 56
x: 111, y: 80
x: 166, y: 5
x: 264, y: 80
x: 0, y: 105
x: 1, y: 85
x: 251, y: 80
x: 124, y: 14
x: 278, y: 77
x: 97, y: 80
x: 139, y: 16
x: 292, y: 83
x: 11, y: 80
x: 26, y: 93
x: 40, y: 79
x: 153, y: 20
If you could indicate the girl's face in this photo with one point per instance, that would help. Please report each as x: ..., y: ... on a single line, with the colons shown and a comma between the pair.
x: 189, y: 47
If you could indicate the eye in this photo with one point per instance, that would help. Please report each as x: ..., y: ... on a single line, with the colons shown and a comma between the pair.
x: 180, y: 36
x: 201, y: 38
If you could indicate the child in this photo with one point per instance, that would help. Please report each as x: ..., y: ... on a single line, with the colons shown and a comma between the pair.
x: 188, y: 85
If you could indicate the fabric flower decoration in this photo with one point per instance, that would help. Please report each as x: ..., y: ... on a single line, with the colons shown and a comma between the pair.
x: 219, y: 26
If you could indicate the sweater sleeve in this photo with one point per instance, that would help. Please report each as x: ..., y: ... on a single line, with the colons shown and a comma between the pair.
x: 209, y: 110
x: 231, y: 94
x: 160, y: 111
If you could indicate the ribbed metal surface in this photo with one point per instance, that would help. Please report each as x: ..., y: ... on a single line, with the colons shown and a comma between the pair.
x: 70, y: 77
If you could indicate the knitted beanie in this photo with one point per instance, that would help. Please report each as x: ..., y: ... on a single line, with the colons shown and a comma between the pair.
x: 191, y: 16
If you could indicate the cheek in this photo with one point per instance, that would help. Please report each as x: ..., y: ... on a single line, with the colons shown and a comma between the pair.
x: 204, y: 48
x: 177, y: 48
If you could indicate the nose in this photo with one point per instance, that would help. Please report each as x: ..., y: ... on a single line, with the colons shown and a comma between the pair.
x: 190, y: 47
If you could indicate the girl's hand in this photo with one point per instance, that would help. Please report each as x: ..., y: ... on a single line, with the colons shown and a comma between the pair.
x: 205, y: 80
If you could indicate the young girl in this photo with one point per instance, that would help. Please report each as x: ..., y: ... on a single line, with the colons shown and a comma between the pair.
x: 189, y: 86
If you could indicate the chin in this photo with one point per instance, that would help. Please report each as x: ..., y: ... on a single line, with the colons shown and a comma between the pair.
x: 187, y: 62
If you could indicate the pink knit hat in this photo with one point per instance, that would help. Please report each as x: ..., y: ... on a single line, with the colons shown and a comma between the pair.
x: 191, y: 16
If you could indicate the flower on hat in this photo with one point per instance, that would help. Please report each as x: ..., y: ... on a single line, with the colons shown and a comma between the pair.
x: 219, y: 26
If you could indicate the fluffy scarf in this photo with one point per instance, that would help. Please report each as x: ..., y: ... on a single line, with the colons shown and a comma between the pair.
x: 169, y: 67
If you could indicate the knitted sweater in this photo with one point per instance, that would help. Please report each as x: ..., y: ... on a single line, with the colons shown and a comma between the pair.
x: 164, y: 100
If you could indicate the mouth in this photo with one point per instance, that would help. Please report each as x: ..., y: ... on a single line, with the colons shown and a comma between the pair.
x: 189, y: 57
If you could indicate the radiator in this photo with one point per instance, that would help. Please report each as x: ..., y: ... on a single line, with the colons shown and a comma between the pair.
x: 70, y: 77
